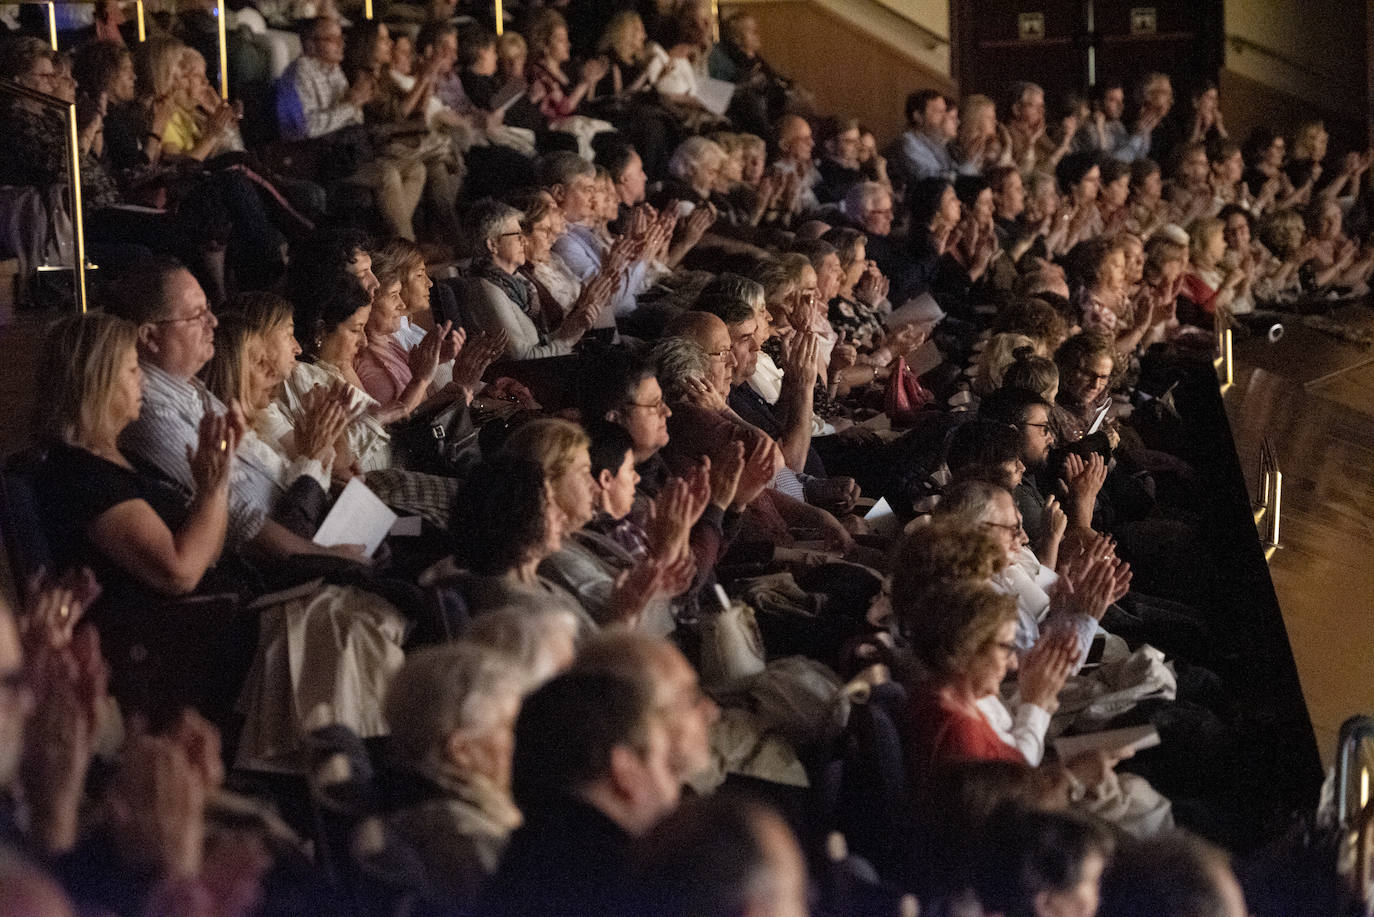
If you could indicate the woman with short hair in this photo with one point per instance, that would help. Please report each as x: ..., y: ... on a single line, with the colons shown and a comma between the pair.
x: 503, y: 299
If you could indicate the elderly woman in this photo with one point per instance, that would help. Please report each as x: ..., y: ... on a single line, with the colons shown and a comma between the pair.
x: 401, y: 377
x: 963, y: 632
x: 694, y: 171
x: 452, y: 712
x: 614, y: 587
x: 561, y: 293
x: 506, y: 301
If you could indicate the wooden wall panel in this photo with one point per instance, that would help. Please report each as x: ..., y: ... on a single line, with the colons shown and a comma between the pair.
x: 847, y: 70
x: 1247, y: 104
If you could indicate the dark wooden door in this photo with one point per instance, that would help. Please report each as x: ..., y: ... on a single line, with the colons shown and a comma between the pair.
x: 1067, y: 45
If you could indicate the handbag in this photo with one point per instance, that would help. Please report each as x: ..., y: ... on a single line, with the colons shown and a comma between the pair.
x: 904, y: 397
x: 431, y: 440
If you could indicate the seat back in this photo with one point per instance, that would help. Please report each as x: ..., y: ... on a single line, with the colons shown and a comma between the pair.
x: 21, y: 521
x: 873, y: 808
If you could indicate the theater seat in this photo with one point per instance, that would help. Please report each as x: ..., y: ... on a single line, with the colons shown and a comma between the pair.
x: 183, y: 652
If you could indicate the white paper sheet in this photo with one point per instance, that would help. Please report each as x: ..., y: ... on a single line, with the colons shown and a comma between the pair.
x: 357, y: 517
x: 1135, y: 738
x: 714, y: 94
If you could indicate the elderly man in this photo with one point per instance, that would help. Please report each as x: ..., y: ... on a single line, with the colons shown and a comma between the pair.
x: 923, y: 149
x: 702, y: 423
x: 606, y: 779
x: 1027, y: 124
x: 571, y: 181
x: 176, y: 338
x: 869, y: 208
x: 314, y: 101
x: 796, y: 143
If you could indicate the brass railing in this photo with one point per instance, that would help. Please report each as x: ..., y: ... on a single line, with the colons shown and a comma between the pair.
x: 1354, y: 803
x: 52, y: 6
x: 1267, y: 508
x: 68, y: 109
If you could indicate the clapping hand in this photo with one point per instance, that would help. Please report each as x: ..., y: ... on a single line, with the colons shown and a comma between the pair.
x: 218, y: 439
x: 478, y: 353
x: 1045, y: 668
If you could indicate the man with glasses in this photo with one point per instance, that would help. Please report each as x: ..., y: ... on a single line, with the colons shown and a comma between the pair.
x: 176, y: 338
x: 315, y: 101
x: 1029, y: 414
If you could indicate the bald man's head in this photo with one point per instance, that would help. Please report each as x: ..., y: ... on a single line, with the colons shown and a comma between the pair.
x: 710, y: 334
x: 661, y: 671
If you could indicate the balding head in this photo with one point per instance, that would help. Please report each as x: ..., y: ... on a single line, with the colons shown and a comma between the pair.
x: 710, y: 334
x: 660, y: 670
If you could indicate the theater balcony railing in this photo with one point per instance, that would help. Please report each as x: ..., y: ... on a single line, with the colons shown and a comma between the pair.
x: 12, y: 89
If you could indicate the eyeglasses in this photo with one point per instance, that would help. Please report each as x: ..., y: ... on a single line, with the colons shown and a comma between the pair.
x: 204, y: 316
x: 1094, y: 377
x: 1016, y: 529
x: 657, y: 407
x: 1043, y: 427
x: 507, y: 235
x: 718, y: 354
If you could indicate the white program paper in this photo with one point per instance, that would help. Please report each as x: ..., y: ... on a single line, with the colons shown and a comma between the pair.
x: 1134, y: 738
x: 714, y: 94
x: 357, y: 517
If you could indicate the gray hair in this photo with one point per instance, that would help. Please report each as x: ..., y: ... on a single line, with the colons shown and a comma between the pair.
x: 561, y: 167
x: 526, y: 636
x: 486, y: 220
x: 967, y: 501
x: 691, y: 154
x: 457, y: 687
x: 861, y: 198
x: 674, y: 360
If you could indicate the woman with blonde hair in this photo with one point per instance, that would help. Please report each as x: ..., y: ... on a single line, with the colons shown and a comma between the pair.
x: 203, y: 125
x: 982, y: 144
x: 242, y: 370
x: 560, y: 98
x: 138, y: 534
x: 997, y: 356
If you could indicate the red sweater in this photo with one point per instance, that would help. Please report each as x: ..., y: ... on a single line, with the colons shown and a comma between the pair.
x: 939, y: 733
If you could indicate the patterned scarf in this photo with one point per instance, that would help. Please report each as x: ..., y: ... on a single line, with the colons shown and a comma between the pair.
x: 520, y: 290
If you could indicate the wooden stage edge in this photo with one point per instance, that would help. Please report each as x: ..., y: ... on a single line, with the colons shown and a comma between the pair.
x: 1312, y: 397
